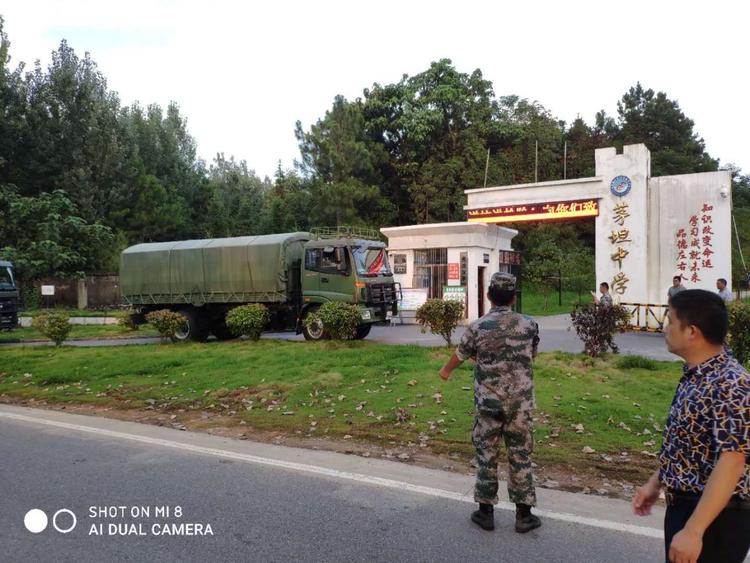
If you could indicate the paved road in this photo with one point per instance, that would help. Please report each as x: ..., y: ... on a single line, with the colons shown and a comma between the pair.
x: 270, y: 503
x: 554, y: 333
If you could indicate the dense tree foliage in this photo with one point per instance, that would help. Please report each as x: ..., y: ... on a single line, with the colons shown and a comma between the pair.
x: 82, y: 176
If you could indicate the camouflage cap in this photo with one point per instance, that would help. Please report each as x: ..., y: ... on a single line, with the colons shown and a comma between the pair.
x: 504, y: 281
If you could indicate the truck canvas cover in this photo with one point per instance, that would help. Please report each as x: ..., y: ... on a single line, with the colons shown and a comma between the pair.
x: 241, y: 269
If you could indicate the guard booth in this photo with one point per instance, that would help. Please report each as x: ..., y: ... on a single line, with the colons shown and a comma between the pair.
x: 449, y: 261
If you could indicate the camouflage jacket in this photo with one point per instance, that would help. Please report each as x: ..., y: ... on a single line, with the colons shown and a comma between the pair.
x: 503, y: 344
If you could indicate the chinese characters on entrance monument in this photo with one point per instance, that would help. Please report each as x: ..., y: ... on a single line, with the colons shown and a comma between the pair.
x: 535, y: 212
x: 696, y: 254
x: 620, y: 238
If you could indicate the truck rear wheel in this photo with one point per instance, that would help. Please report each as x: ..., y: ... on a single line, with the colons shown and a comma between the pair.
x: 362, y: 331
x: 194, y: 328
x: 316, y: 331
x: 221, y: 331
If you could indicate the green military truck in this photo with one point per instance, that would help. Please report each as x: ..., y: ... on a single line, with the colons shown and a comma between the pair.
x: 8, y: 297
x: 292, y: 274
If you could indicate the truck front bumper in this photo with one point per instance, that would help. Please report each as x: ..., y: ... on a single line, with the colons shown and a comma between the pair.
x: 380, y: 314
x: 8, y: 320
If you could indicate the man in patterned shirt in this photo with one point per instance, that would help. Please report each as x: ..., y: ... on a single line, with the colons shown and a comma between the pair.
x: 503, y: 344
x: 606, y: 299
x: 703, y: 464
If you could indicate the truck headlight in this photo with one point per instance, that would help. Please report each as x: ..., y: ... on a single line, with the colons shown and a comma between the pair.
x: 366, y: 316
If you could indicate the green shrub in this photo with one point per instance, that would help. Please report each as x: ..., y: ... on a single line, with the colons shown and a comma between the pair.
x: 127, y: 321
x: 53, y: 324
x: 248, y: 320
x: 739, y: 330
x: 29, y: 296
x: 166, y: 322
x: 441, y: 317
x: 340, y: 320
x: 596, y: 326
x: 637, y: 362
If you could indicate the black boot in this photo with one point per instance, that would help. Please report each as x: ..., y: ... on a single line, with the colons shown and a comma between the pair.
x: 484, y: 517
x: 525, y: 520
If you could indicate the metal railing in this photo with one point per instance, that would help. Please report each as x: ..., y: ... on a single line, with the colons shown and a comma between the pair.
x: 647, y: 317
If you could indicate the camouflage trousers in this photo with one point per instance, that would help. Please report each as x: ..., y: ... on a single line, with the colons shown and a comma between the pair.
x: 516, y: 431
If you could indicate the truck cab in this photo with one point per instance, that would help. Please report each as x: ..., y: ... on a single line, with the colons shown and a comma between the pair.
x: 351, y: 270
x: 8, y: 297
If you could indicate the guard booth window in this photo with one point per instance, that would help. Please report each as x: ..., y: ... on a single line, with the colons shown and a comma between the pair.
x: 431, y: 270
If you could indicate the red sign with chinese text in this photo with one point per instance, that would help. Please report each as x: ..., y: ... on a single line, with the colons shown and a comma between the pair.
x: 453, y: 272
x: 696, y: 254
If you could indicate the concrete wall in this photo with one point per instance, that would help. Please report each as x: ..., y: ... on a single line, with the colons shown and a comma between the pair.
x: 92, y: 292
x: 678, y: 198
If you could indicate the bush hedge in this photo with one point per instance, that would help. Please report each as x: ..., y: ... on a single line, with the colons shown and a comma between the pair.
x: 441, y: 317
x: 53, y: 324
x: 166, y: 323
x: 596, y: 326
x: 739, y: 330
x: 248, y: 320
x: 340, y: 320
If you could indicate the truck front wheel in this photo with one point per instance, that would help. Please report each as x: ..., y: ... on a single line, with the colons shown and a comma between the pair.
x: 194, y: 328
x: 362, y: 331
x: 316, y: 330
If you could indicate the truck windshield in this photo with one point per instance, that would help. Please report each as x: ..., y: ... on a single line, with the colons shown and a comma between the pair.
x: 6, y: 278
x: 371, y: 261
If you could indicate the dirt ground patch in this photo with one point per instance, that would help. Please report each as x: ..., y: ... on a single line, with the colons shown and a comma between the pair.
x: 612, y: 480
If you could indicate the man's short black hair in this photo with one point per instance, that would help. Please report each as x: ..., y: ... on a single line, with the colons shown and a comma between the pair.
x: 500, y: 297
x: 702, y: 309
x: 677, y: 278
x: 722, y: 280
x: 605, y: 284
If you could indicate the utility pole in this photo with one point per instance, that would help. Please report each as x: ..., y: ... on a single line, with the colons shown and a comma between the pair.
x: 565, y: 161
x: 486, y: 166
x: 536, y: 161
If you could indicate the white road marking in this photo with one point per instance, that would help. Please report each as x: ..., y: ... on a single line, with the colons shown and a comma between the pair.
x: 357, y: 477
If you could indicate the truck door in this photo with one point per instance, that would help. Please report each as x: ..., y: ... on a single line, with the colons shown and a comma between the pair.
x: 310, y: 275
x: 335, y: 274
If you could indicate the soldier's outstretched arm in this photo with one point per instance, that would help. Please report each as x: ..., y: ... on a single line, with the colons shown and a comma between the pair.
x: 453, y: 363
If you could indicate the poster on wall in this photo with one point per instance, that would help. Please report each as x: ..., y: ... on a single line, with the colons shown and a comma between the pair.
x: 399, y: 263
x: 454, y: 293
x: 412, y: 299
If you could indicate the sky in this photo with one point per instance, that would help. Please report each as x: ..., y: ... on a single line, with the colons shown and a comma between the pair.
x: 243, y: 73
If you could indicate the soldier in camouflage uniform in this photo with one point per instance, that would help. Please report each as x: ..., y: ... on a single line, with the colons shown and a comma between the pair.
x: 503, y: 344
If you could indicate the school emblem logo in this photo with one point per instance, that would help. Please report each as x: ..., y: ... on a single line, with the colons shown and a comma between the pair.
x: 620, y: 186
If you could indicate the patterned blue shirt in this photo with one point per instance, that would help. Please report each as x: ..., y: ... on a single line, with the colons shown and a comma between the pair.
x: 710, y: 414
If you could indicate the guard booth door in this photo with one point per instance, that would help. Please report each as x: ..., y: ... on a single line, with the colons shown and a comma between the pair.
x: 480, y: 291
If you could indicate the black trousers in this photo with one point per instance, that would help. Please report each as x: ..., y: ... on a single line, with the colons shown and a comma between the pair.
x: 726, y: 540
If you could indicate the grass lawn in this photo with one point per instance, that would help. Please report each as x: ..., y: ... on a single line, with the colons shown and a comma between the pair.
x: 79, y: 332
x: 370, y: 392
x: 533, y: 302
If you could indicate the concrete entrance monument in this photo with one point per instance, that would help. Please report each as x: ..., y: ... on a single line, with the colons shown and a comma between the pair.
x: 647, y: 229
